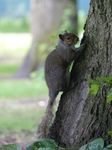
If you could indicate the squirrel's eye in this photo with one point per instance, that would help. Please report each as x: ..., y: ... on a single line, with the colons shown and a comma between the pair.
x: 68, y: 38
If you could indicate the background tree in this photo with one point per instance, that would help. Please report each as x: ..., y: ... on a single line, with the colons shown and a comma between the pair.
x: 82, y: 117
x: 46, y: 18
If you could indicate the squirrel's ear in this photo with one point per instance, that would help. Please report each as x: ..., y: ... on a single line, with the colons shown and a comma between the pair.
x: 66, y: 31
x: 61, y: 37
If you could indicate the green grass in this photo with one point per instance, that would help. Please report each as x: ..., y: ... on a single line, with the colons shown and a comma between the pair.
x: 14, y: 25
x: 19, y: 95
x: 13, y: 48
x: 8, y: 69
x: 12, y: 89
x: 20, y: 119
x: 13, y: 45
x: 25, y: 117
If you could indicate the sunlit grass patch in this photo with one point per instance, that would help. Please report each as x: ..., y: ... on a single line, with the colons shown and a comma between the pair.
x: 8, y: 69
x: 14, y: 25
x: 13, y: 48
x: 13, y: 44
x: 22, y: 89
x: 20, y: 119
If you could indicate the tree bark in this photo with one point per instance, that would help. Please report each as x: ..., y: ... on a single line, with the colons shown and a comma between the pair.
x: 82, y: 117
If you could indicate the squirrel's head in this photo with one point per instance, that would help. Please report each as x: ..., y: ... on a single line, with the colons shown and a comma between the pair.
x: 69, y: 39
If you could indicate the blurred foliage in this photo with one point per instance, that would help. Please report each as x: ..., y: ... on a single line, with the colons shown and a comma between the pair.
x: 39, y: 75
x: 14, y: 25
x: 55, y: 36
x: 66, y: 23
x: 81, y: 22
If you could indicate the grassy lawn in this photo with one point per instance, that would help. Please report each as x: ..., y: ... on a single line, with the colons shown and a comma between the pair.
x: 14, y: 25
x: 22, y: 102
x: 13, y: 45
x: 20, y: 119
x: 8, y: 69
x: 12, y: 89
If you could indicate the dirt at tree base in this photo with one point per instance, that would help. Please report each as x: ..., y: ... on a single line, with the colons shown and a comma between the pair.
x: 24, y: 138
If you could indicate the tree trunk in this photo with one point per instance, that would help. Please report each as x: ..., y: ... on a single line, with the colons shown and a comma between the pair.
x: 46, y: 18
x: 82, y: 117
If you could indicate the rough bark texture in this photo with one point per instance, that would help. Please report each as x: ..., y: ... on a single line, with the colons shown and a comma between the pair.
x: 82, y: 117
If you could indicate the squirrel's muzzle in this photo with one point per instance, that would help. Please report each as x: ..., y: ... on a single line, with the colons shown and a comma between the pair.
x: 76, y: 40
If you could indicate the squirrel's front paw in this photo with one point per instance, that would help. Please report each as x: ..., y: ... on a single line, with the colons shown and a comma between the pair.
x: 83, y: 46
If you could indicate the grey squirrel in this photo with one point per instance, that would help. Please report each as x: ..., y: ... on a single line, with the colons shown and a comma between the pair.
x: 57, y: 74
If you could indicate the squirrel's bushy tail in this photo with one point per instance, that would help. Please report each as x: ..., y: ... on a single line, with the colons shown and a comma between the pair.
x: 43, y: 128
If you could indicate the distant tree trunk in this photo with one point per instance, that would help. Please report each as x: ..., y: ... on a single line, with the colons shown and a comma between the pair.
x: 82, y: 117
x: 46, y: 18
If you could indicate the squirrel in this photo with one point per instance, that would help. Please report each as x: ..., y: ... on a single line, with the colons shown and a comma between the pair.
x: 57, y: 74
